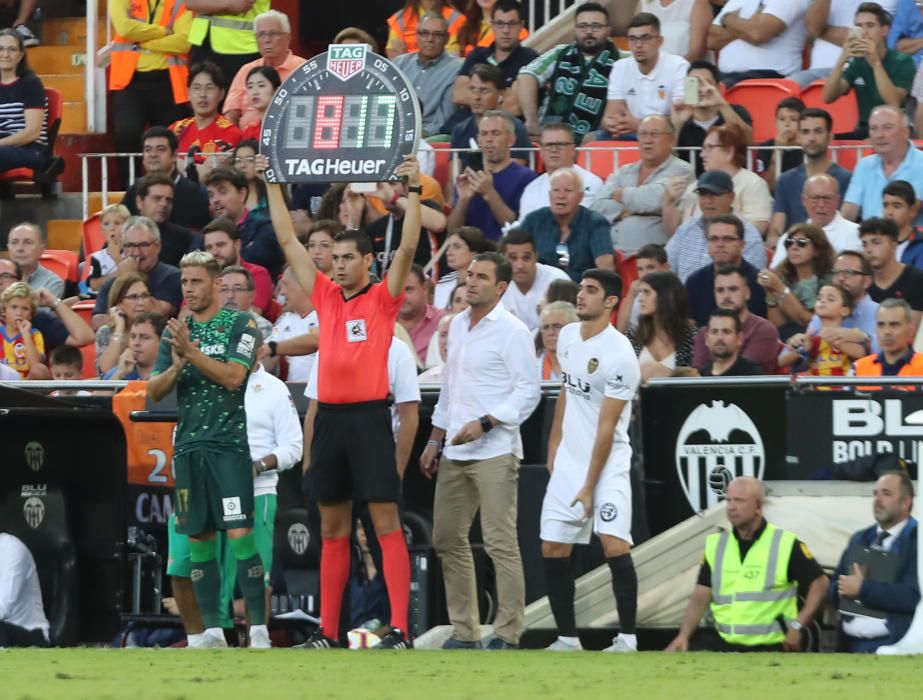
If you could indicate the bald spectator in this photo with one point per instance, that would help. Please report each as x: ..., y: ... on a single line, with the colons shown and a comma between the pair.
x: 758, y: 40
x: 632, y: 197
x: 489, y: 198
x: 568, y: 235
x: 895, y: 158
x: 273, y: 37
x: 820, y: 198
x: 759, y: 338
x: 432, y: 71
x: 687, y: 249
x: 645, y: 84
x: 879, y: 75
x: 141, y: 243
x: 26, y: 243
x: 559, y: 150
x: 815, y: 131
x: 158, y: 155
x: 547, y: 91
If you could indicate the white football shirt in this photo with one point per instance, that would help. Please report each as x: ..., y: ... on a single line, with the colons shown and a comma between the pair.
x: 604, y: 366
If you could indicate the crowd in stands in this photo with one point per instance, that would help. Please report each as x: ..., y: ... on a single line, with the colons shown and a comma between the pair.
x: 771, y: 247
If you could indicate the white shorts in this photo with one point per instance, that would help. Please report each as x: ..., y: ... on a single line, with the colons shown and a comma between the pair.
x: 564, y: 523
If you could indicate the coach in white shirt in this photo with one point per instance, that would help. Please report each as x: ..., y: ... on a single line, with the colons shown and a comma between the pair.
x: 558, y: 150
x: 530, y: 277
x: 489, y: 388
x: 22, y: 615
x: 647, y: 85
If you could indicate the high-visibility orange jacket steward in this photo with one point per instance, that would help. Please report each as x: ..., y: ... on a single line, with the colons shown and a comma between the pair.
x: 150, y: 36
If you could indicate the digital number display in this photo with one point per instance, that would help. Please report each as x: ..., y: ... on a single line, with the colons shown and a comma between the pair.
x: 347, y: 115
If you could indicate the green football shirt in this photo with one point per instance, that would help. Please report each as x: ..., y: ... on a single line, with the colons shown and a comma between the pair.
x: 208, y: 414
x: 859, y: 74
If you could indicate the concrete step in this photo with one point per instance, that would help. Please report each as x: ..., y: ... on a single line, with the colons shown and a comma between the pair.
x: 65, y: 234
x: 70, y: 86
x: 71, y: 31
x: 57, y: 60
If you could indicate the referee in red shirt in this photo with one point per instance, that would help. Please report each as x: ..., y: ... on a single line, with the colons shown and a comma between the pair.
x: 352, y: 454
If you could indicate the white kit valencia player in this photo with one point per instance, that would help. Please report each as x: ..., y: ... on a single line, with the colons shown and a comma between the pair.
x: 589, y: 457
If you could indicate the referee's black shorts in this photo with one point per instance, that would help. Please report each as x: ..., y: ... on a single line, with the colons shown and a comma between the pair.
x: 352, y: 453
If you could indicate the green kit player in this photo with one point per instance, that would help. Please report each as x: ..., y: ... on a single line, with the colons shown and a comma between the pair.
x: 208, y: 359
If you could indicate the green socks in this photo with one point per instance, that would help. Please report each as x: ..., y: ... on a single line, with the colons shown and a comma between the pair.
x: 250, y: 577
x: 206, y: 580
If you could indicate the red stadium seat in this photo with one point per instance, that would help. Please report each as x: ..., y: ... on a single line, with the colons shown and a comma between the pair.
x: 45, y: 178
x: 848, y: 152
x: 84, y: 309
x: 61, y: 262
x: 89, y: 360
x: 844, y: 110
x: 760, y: 97
x: 93, y: 237
x: 610, y: 156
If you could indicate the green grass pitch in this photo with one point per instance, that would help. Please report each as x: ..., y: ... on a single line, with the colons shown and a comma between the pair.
x: 172, y: 674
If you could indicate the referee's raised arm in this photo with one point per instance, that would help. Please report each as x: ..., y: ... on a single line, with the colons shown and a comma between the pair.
x: 295, y: 253
x: 410, y: 231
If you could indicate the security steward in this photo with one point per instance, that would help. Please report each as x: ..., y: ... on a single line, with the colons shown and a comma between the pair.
x: 751, y: 577
x: 222, y: 32
x: 896, y: 331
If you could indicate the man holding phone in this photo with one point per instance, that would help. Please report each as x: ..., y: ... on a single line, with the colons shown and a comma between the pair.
x: 878, y: 74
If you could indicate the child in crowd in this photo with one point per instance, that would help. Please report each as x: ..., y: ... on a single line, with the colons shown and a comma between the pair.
x: 105, y: 262
x: 820, y: 353
x: 23, y: 346
x: 67, y: 366
x: 262, y: 83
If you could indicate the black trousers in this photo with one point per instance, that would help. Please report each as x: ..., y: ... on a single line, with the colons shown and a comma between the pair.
x: 146, y: 101
x: 15, y: 636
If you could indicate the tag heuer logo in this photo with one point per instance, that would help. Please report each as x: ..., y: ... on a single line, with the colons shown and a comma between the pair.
x: 35, y: 455
x: 592, y: 365
x: 345, y: 60
x: 34, y: 511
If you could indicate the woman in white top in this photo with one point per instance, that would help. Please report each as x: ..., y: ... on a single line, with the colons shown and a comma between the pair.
x: 664, y: 337
x: 725, y: 148
x: 463, y: 244
x: 683, y: 24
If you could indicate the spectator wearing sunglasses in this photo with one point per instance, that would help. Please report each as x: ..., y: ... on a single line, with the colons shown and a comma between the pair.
x: 791, y: 288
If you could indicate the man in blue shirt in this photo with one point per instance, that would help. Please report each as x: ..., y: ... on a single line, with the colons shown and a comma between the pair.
x: 489, y: 198
x: 906, y: 33
x: 895, y: 158
x: 853, y: 272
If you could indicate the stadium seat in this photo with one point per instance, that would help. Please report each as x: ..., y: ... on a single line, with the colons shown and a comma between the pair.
x: 84, y: 309
x: 610, y: 156
x: 626, y: 265
x: 61, y: 262
x: 93, y: 237
x: 760, y: 97
x: 844, y: 110
x: 847, y: 152
x: 88, y: 352
x: 53, y: 165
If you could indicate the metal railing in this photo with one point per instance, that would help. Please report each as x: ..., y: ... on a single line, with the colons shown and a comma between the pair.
x: 541, y: 12
x: 613, y: 152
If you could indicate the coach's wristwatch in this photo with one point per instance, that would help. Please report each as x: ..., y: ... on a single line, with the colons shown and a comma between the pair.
x: 272, y: 347
x: 415, y: 188
x: 486, y: 425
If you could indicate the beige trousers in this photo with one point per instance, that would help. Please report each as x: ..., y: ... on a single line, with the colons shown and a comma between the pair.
x: 462, y: 488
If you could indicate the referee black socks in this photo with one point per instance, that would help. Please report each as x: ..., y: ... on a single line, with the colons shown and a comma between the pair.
x: 559, y: 580
x: 625, y: 587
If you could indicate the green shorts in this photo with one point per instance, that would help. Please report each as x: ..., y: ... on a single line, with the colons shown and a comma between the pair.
x: 179, y: 563
x: 214, y: 491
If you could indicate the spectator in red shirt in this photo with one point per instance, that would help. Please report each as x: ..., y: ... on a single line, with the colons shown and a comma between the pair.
x: 417, y: 315
x: 207, y: 131
x: 222, y: 239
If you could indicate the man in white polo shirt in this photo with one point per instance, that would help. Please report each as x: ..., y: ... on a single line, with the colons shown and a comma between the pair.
x: 759, y: 39
x: 530, y: 277
x: 22, y: 615
x: 647, y: 85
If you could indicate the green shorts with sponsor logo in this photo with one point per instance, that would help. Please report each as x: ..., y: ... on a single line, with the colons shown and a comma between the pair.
x: 214, y: 491
x: 179, y: 564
